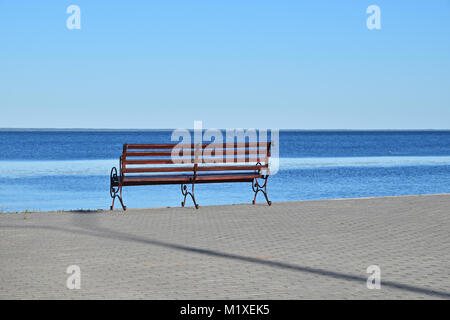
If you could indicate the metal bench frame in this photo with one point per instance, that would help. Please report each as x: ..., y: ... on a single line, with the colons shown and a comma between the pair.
x: 244, y: 162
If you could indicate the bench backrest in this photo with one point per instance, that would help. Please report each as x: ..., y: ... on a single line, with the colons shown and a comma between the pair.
x: 147, y: 158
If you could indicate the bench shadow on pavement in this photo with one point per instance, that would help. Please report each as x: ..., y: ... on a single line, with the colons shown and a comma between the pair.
x: 95, y: 230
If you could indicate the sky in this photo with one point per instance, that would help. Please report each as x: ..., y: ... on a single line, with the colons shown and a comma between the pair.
x: 232, y: 64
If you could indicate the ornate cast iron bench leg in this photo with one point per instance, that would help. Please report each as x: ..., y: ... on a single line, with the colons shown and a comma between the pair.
x: 185, y: 192
x: 257, y: 187
x: 116, y: 189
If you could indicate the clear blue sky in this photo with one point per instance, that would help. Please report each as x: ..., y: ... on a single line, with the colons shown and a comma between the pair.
x: 235, y: 63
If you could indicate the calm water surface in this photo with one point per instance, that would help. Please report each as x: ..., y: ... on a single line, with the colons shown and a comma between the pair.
x: 53, y: 170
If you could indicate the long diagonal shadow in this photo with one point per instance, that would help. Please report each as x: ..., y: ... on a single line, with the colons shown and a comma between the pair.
x: 116, y: 235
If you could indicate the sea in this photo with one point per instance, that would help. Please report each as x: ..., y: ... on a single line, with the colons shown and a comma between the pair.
x: 43, y: 170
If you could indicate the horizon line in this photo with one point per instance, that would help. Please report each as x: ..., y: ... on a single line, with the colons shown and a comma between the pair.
x: 171, y: 129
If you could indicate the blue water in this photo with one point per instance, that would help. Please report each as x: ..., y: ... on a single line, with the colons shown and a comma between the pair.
x: 55, y: 170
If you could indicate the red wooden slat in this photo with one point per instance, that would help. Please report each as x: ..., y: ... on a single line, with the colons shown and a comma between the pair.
x: 207, y: 152
x: 231, y: 168
x: 158, y: 169
x: 203, y: 160
x: 193, y: 146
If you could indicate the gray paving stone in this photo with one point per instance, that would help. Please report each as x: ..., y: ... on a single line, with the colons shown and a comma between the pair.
x: 295, y: 250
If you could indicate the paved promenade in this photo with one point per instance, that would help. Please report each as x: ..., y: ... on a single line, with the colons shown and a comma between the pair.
x: 296, y: 250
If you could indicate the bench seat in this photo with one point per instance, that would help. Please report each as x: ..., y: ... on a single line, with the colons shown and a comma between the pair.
x: 187, y: 178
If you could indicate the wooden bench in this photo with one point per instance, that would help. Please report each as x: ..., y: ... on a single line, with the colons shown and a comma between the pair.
x: 158, y: 164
